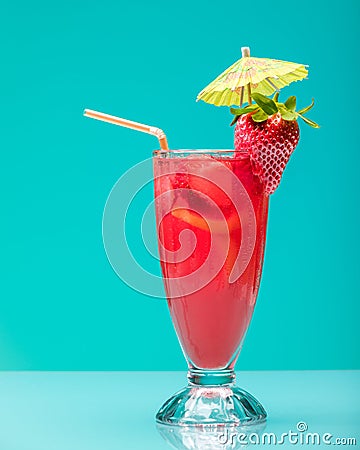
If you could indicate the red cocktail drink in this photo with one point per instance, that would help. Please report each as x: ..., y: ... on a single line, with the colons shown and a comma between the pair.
x: 211, y: 215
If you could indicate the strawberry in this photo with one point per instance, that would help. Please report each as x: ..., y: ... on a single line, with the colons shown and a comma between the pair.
x: 268, y: 131
x: 269, y: 144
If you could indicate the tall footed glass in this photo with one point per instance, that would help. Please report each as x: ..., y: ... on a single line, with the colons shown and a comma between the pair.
x: 211, y: 214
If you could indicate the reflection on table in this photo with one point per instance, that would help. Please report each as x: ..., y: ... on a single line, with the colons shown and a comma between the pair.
x: 209, y: 438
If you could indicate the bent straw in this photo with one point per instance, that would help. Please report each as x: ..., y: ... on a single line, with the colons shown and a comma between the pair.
x: 129, y: 124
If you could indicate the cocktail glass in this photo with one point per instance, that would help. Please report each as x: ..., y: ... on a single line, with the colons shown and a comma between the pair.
x: 211, y: 215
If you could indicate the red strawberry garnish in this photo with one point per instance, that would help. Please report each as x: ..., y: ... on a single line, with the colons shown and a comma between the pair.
x: 269, y: 144
x: 269, y: 133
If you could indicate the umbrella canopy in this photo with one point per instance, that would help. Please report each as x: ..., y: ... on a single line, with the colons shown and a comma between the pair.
x: 259, y: 75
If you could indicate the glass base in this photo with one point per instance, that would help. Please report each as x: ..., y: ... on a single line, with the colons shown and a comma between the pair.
x: 209, y: 437
x: 215, y: 404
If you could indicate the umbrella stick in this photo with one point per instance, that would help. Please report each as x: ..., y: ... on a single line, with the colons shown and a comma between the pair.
x: 249, y: 93
x: 245, y: 51
x: 241, y: 96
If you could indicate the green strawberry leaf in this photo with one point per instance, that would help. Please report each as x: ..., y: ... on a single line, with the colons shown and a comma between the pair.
x: 307, y: 108
x: 276, y: 96
x: 308, y: 121
x: 259, y: 116
x: 240, y: 111
x: 266, y: 104
x: 235, y: 119
x: 285, y: 113
x: 290, y: 103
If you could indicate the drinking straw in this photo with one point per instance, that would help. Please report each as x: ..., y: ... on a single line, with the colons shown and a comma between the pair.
x: 130, y: 124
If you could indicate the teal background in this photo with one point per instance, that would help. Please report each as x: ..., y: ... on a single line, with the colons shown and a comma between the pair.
x: 61, y: 305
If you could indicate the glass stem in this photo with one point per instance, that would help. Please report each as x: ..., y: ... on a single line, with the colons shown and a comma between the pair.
x: 200, y: 377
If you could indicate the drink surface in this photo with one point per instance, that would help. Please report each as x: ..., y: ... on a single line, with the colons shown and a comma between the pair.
x: 211, y: 215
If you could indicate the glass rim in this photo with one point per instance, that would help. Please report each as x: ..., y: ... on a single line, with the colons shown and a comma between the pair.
x: 192, y: 151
